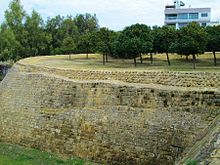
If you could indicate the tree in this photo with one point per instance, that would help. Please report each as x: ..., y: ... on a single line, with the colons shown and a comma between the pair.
x: 213, y: 40
x: 86, y: 23
x: 37, y: 38
x: 68, y: 46
x: 163, y: 40
x: 53, y: 29
x: 86, y: 43
x: 105, y: 39
x: 14, y: 18
x: 134, y: 41
x: 29, y: 35
x: 61, y: 28
x: 156, y: 44
x: 68, y: 28
x: 8, y: 44
x: 191, y: 40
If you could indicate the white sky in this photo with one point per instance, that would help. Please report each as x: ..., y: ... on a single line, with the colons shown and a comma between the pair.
x: 114, y: 14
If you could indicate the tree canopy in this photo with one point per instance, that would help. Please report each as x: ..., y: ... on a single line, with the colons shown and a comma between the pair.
x: 213, y: 40
x: 191, y: 40
x: 24, y: 35
x: 163, y: 40
x: 134, y: 41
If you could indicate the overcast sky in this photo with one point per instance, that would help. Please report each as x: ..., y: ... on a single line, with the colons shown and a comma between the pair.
x: 114, y: 14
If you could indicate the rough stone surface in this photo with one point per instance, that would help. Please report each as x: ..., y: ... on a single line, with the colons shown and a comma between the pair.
x: 108, y: 116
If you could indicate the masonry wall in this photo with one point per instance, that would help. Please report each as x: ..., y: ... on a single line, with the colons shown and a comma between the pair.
x: 111, y: 117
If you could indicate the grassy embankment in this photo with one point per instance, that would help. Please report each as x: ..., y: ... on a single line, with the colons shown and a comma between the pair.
x: 205, y: 63
x: 1, y: 77
x: 16, y: 155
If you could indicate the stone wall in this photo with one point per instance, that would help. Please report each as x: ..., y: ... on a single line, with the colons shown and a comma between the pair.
x: 108, y: 116
x: 179, y: 79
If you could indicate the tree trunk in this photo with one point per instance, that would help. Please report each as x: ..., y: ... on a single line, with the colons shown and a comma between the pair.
x: 215, y: 60
x: 194, y: 61
x: 135, y: 62
x: 69, y: 56
x: 168, y: 59
x: 87, y: 53
x: 141, y: 58
x: 106, y: 57
x: 187, y: 58
x: 103, y: 59
x: 1, y: 46
x: 151, y: 58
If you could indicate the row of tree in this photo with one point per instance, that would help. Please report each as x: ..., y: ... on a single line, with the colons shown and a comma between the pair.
x: 23, y: 35
x: 139, y: 39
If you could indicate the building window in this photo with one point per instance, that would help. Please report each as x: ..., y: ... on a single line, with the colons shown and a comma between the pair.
x: 204, y: 15
x: 171, y: 16
x: 193, y: 16
x: 183, y: 16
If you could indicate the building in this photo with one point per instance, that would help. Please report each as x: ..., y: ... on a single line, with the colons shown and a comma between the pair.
x: 214, y: 23
x: 179, y: 16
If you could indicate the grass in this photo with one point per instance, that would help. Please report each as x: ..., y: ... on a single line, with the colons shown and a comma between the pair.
x: 191, y: 162
x: 17, y: 155
x: 1, y: 77
x: 205, y: 63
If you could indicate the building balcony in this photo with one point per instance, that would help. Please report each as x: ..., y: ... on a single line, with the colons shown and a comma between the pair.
x: 174, y: 21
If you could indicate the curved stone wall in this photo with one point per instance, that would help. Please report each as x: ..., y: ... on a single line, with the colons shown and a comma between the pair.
x: 106, y: 116
x: 179, y: 79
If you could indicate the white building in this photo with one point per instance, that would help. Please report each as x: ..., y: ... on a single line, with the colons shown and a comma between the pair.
x: 179, y: 16
x: 214, y: 23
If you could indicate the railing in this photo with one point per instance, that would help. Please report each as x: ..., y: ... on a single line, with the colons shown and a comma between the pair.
x: 171, y: 18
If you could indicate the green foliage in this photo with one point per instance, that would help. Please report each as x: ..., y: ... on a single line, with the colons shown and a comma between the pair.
x: 14, y: 20
x: 87, y: 43
x: 164, y: 38
x: 191, y: 162
x: 53, y: 28
x: 68, y: 46
x: 9, y: 44
x: 23, y: 35
x: 13, y: 154
x: 1, y: 76
x: 104, y: 41
x: 134, y: 40
x: 37, y: 38
x: 86, y: 23
x: 213, y: 38
x: 191, y: 39
x: 15, y: 16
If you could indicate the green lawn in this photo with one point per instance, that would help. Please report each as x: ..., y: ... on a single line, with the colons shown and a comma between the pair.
x: 205, y: 63
x: 17, y: 155
x: 1, y: 77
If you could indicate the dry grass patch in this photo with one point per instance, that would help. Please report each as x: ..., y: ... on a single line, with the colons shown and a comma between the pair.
x: 178, y: 63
